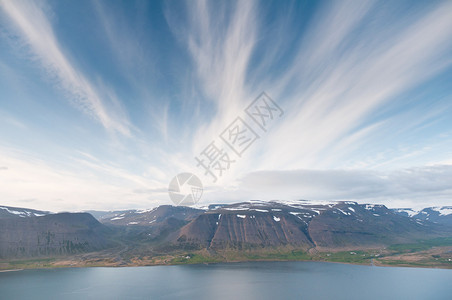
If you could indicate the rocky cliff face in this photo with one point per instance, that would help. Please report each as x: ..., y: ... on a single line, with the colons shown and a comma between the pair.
x: 50, y: 234
x: 345, y: 225
x: 232, y: 230
x: 300, y: 225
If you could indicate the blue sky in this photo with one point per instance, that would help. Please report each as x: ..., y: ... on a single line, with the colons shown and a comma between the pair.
x: 102, y: 103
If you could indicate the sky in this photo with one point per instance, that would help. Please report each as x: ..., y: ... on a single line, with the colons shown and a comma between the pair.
x: 103, y: 103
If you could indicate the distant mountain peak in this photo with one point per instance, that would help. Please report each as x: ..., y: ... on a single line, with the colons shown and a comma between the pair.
x: 9, y: 211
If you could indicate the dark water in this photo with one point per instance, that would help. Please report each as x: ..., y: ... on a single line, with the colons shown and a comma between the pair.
x: 258, y: 280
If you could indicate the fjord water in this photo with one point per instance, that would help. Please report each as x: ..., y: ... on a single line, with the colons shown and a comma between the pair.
x: 251, y: 280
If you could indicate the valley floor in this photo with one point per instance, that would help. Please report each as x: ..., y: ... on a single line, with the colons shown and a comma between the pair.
x: 407, y: 255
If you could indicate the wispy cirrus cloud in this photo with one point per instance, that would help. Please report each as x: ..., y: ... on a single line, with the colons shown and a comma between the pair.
x: 341, y: 73
x: 343, y: 83
x: 35, y: 29
x: 352, y: 60
x: 220, y: 39
x: 362, y: 86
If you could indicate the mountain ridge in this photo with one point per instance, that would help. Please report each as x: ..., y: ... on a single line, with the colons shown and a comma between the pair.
x: 33, y: 234
x: 130, y: 236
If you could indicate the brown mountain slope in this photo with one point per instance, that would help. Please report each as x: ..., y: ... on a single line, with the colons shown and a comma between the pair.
x: 53, y: 234
x: 301, y: 226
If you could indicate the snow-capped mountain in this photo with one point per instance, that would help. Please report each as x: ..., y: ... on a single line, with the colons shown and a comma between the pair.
x: 439, y: 214
x: 16, y: 212
x: 303, y: 224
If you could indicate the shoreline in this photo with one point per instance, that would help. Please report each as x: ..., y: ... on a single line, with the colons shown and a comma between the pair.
x: 378, y: 264
x: 11, y: 270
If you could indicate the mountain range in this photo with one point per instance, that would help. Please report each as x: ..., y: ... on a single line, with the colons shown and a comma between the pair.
x: 247, y: 226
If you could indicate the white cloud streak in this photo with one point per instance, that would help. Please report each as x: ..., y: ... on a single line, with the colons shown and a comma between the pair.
x: 335, y: 99
x: 220, y: 39
x: 338, y: 78
x: 36, y: 30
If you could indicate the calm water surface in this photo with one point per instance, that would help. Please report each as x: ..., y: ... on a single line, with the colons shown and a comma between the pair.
x: 255, y: 280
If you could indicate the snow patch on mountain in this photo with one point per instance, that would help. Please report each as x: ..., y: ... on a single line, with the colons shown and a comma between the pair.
x: 370, y: 206
x: 344, y: 212
x: 409, y: 211
x: 23, y: 214
x: 443, y: 211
